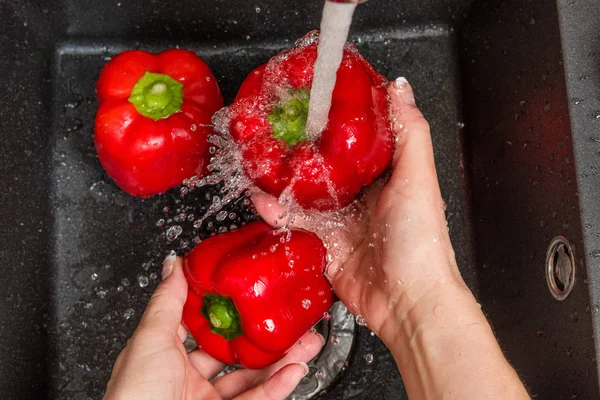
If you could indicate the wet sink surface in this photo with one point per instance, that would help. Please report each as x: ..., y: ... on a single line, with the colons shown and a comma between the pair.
x: 107, y: 250
x: 80, y: 258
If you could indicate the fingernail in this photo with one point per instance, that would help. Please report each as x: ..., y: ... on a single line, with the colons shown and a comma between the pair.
x: 168, y: 264
x: 305, y: 367
x: 321, y: 337
x: 399, y: 82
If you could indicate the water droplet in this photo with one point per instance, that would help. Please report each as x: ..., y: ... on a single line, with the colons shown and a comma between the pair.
x: 353, y: 304
x: 306, y: 303
x: 460, y: 124
x: 153, y: 276
x: 193, y: 127
x: 221, y: 215
x: 257, y: 9
x: 101, y: 293
x: 334, y: 340
x: 361, y: 321
x: 369, y: 358
x: 165, y: 210
x: 125, y: 282
x: 399, y: 282
x: 577, y: 100
x: 120, y: 288
x: 160, y: 222
x: 326, y: 315
x: 319, y: 374
x: 273, y: 248
x: 142, y: 281
x: 173, y: 232
x: 128, y: 313
x: 94, y: 276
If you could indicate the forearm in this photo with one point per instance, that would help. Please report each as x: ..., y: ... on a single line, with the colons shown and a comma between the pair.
x: 445, y: 349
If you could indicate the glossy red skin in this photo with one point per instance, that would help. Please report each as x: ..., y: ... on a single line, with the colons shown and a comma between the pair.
x: 356, y: 146
x: 143, y: 156
x: 224, y: 265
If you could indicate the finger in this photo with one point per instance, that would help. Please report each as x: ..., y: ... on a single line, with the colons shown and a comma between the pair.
x: 413, y: 158
x: 241, y: 380
x: 207, y: 366
x: 269, y: 209
x: 162, y: 317
x: 182, y: 333
x: 278, y: 386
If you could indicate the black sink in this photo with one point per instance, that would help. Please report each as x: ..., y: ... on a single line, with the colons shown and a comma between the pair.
x: 512, y: 91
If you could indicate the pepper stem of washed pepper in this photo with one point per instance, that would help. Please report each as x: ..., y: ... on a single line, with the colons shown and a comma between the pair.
x: 157, y: 96
x: 223, y: 316
x: 288, y: 118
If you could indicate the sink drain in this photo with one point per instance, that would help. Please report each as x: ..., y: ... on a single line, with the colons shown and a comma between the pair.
x: 338, y: 332
x: 560, y: 268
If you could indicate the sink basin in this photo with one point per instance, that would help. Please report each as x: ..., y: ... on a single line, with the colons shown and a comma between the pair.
x: 511, y: 89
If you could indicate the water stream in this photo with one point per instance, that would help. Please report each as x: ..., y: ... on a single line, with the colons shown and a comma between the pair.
x: 335, y: 25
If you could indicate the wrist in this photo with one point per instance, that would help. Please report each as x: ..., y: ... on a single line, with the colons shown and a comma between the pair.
x: 445, y: 337
x: 421, y: 308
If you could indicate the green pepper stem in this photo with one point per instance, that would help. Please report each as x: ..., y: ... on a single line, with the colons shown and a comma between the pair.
x: 288, y: 118
x: 157, y: 96
x: 222, y: 315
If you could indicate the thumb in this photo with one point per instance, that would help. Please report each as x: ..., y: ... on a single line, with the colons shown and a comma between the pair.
x: 163, y: 314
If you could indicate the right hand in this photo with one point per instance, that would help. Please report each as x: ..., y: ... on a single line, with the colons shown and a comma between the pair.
x: 402, y: 252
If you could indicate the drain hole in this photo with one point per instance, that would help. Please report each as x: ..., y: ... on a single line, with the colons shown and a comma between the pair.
x: 556, y: 270
x: 560, y: 268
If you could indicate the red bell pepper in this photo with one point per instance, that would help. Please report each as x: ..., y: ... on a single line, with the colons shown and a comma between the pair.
x: 152, y: 124
x: 253, y: 293
x: 268, y: 120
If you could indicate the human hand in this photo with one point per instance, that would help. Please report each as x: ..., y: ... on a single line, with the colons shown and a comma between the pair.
x: 401, y: 251
x: 155, y: 365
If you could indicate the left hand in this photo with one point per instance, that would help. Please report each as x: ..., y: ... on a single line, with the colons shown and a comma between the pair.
x: 155, y: 365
